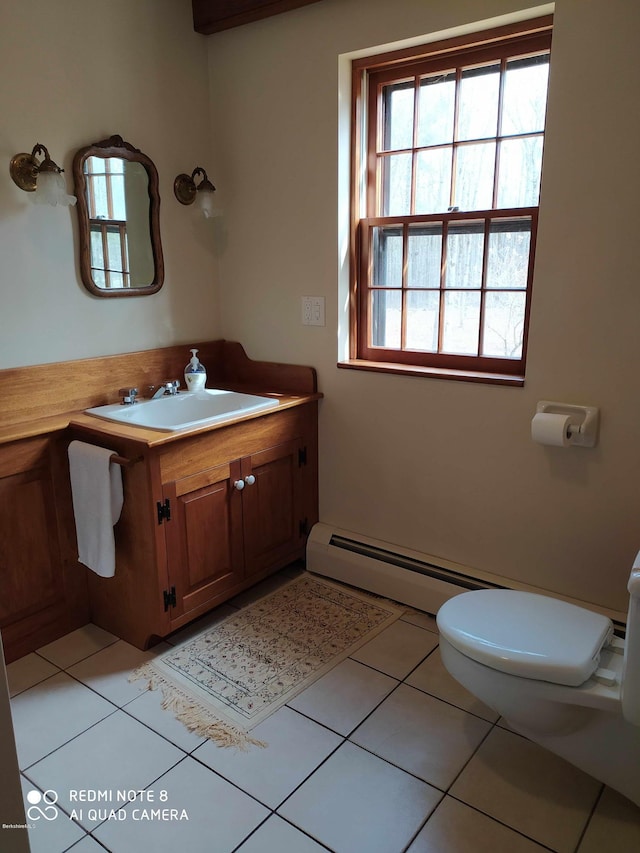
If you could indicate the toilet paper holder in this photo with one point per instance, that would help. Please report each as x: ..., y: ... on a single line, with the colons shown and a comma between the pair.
x: 585, y: 421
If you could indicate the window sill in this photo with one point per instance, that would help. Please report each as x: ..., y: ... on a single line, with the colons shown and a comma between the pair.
x: 433, y: 372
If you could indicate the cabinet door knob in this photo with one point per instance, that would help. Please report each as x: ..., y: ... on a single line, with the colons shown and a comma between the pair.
x: 239, y: 485
x: 250, y: 480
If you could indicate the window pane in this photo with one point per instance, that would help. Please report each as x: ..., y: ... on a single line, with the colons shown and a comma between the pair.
x: 387, y: 257
x: 93, y: 165
x: 116, y: 279
x: 396, y: 182
x: 118, y: 198
x: 461, y: 322
x: 433, y: 180
x: 96, y: 247
x: 525, y: 95
x: 478, y: 110
x: 115, y: 165
x: 114, y: 250
x: 520, y: 168
x: 465, y: 247
x: 398, y: 116
x: 424, y: 257
x: 386, y: 318
x: 98, y: 276
x: 503, y: 324
x: 508, y: 261
x: 100, y: 208
x: 423, y: 309
x: 474, y: 176
x: 436, y: 100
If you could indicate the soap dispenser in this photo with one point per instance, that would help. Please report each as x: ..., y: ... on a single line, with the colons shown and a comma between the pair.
x: 194, y: 373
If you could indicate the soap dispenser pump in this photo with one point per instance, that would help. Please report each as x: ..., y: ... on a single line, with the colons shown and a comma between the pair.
x: 194, y: 373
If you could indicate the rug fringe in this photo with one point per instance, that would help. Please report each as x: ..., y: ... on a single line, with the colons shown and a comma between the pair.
x: 193, y: 714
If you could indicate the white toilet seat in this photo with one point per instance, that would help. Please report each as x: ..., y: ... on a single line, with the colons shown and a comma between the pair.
x: 526, y: 635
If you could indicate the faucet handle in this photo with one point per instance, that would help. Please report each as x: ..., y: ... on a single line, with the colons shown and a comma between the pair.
x: 128, y: 396
x: 172, y: 386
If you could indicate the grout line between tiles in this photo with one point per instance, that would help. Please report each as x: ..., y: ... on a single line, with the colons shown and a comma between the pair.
x: 301, y: 831
x: 155, y: 731
x: 80, y: 841
x: 33, y: 763
x: 93, y: 690
x: 388, y: 674
x: 41, y: 681
x: 91, y: 654
x: 128, y: 802
x: 317, y: 722
x: 424, y: 823
x: 540, y: 844
x: 466, y: 763
x: 591, y: 814
x: 420, y: 689
x: 253, y: 831
x: 309, y: 775
x: 229, y: 781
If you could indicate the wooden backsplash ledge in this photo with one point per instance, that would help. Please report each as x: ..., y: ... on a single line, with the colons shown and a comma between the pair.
x: 43, y: 390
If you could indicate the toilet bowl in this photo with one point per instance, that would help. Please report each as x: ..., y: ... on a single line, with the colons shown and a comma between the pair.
x: 555, y: 672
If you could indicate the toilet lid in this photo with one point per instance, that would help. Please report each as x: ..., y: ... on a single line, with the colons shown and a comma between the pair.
x: 525, y: 634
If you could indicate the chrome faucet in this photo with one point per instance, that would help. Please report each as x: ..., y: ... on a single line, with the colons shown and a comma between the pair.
x: 128, y: 396
x: 166, y: 388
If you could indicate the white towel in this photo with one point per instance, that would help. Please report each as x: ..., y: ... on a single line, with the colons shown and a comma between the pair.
x: 96, y: 487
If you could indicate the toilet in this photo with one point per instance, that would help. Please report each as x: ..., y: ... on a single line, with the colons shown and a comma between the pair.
x: 555, y: 672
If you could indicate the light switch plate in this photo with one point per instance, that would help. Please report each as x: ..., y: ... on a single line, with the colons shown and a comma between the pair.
x: 313, y: 311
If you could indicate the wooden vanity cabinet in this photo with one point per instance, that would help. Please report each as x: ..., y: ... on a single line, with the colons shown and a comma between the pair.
x: 219, y: 539
x: 43, y: 595
x: 233, y: 523
x: 224, y: 509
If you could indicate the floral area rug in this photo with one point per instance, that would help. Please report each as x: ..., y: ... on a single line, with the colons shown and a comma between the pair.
x: 234, y: 675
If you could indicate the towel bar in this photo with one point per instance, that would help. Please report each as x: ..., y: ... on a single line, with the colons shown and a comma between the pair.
x: 122, y: 460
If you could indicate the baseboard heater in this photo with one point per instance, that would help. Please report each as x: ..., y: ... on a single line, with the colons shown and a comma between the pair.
x: 406, y: 576
x: 410, y: 577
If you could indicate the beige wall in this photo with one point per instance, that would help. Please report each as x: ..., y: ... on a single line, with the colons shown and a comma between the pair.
x: 448, y: 468
x: 74, y: 72
x: 442, y: 467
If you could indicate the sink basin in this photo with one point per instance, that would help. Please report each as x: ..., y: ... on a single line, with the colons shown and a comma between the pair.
x: 184, y: 411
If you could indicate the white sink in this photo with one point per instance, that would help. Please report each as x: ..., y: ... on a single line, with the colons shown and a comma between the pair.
x: 184, y: 411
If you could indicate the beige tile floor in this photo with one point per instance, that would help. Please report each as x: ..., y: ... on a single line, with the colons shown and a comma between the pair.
x: 384, y: 754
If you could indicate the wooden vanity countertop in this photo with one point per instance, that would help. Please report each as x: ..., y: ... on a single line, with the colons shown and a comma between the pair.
x: 149, y: 437
x: 58, y: 394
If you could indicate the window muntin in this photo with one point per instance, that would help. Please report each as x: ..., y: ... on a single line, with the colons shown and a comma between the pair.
x: 453, y: 168
x: 454, y: 286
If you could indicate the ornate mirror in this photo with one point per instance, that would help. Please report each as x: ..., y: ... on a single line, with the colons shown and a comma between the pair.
x: 118, y: 211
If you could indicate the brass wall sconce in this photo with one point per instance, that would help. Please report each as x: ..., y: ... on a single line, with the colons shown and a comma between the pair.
x: 44, y: 177
x: 187, y: 191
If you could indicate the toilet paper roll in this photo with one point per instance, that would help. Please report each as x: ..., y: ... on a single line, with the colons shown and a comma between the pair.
x: 550, y: 429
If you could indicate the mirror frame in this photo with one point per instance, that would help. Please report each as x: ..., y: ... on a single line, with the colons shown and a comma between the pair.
x: 115, y: 146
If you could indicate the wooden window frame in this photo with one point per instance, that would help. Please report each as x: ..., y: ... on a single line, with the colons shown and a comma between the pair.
x: 369, y: 74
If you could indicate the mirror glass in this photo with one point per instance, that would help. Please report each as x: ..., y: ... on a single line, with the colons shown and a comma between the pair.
x: 118, y: 206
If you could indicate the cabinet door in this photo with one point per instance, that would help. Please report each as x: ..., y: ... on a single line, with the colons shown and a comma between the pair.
x: 204, y: 536
x: 273, y: 528
x: 43, y: 594
x: 29, y: 553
